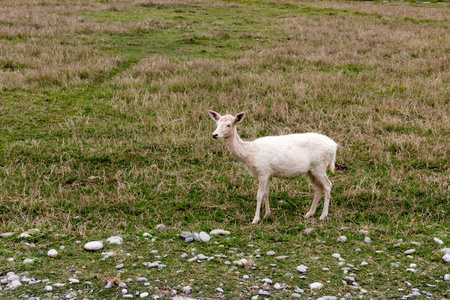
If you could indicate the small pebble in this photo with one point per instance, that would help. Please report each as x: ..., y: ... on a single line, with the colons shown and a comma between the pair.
x: 342, y: 239
x: 184, y: 255
x: 440, y: 242
x: 446, y: 258
x: 52, y: 253
x: 447, y: 277
x: 160, y: 228
x: 116, y: 240
x: 302, y: 269
x: 270, y: 253
x: 316, y: 285
x: 410, y: 251
x: 367, y: 240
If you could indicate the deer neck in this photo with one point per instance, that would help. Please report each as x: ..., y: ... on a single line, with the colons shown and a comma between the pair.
x: 237, y: 146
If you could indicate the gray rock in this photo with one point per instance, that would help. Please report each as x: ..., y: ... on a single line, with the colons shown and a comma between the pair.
x: 184, y: 255
x: 410, y: 251
x: 295, y: 295
x: 204, y: 237
x: 121, y: 266
x: 189, y: 239
x: 185, y: 234
x: 447, y: 277
x: 195, y: 236
x: 142, y: 279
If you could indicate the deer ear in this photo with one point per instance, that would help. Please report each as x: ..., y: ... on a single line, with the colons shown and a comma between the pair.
x: 239, y: 118
x: 215, y: 116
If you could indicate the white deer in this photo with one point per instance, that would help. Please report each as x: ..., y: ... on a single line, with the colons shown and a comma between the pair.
x: 287, y: 156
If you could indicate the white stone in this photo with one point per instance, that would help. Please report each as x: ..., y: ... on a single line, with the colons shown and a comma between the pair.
x: 12, y: 277
x: 342, y: 239
x: 267, y: 280
x: 24, y: 235
x: 271, y: 253
x: 58, y: 285
x: 187, y: 290
x: 151, y: 264
x: 146, y: 234
x: 52, y: 253
x: 365, y: 232
x: 367, y: 240
x: 143, y: 295
x: 336, y: 255
x: 302, y: 269
x: 263, y: 293
x: 316, y: 285
x: 277, y: 286
x: 93, y: 246
x: 410, y: 251
x: 48, y: 288
x: 28, y: 261
x: 447, y: 277
x: 446, y: 258
x: 116, y: 240
x: 13, y: 284
x: 219, y: 232
x: 446, y: 250
x: 295, y: 295
x: 309, y: 230
x: 6, y: 234
x: 202, y: 257
x: 220, y: 290
x: 241, y: 263
x: 74, y: 280
x: 160, y: 228
x: 195, y: 236
x: 440, y: 242
x: 204, y: 237
x: 364, y: 263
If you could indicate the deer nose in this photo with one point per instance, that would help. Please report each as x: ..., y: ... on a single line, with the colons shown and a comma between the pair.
x: 215, y: 135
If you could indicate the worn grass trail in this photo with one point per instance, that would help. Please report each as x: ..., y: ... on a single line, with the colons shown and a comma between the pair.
x: 104, y: 131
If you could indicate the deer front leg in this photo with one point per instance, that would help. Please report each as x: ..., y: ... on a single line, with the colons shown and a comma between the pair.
x: 259, y: 197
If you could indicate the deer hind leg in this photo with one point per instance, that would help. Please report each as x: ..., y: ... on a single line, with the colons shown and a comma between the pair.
x: 317, y: 195
x: 327, y: 189
x: 266, y: 201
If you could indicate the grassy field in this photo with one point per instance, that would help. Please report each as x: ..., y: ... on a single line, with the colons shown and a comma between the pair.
x: 104, y: 131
